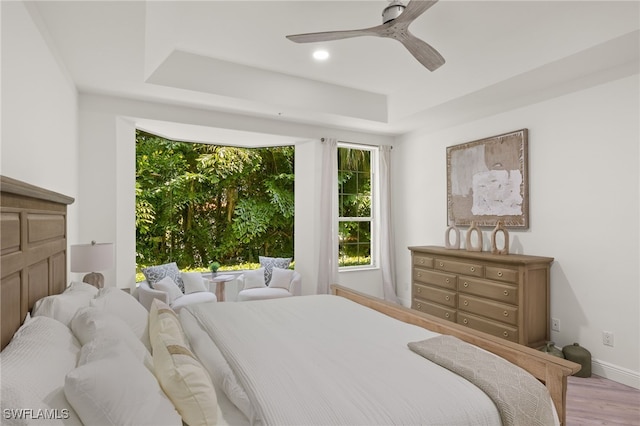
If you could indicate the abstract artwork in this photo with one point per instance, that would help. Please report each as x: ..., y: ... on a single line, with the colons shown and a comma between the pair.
x: 487, y: 181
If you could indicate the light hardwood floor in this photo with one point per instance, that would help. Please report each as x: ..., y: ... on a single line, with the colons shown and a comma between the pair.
x: 599, y: 401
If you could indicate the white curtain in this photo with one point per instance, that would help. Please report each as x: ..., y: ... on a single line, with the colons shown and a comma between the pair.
x: 328, y: 259
x: 387, y: 250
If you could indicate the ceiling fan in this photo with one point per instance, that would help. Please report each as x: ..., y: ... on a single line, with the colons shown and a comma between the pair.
x: 396, y: 18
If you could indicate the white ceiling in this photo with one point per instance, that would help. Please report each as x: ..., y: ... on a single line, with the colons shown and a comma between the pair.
x: 233, y: 56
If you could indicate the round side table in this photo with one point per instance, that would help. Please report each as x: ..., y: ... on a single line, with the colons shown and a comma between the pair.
x: 219, y: 281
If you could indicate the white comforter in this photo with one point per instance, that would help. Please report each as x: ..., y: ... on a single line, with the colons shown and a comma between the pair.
x: 320, y: 360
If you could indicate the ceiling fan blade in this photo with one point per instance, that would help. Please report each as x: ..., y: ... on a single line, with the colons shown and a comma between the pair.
x: 414, y: 9
x: 336, y: 35
x: 422, y: 51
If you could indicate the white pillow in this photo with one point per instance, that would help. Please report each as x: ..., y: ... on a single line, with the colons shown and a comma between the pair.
x: 92, y: 323
x: 127, y: 308
x: 34, y: 364
x: 193, y: 282
x: 169, y: 286
x: 64, y: 306
x: 163, y: 319
x: 101, y: 347
x: 117, y: 390
x: 215, y: 363
x: 281, y: 278
x: 254, y: 279
x: 185, y: 381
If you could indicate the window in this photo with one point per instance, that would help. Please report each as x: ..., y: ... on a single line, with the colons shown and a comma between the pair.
x: 356, y: 205
x: 198, y: 203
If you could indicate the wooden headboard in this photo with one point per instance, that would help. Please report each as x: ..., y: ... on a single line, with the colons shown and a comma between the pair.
x: 33, y: 249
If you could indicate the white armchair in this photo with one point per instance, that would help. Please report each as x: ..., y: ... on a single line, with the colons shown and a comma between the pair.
x: 273, y: 291
x: 146, y: 294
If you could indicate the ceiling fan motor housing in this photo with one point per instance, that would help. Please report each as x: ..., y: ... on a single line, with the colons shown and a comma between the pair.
x: 392, y: 11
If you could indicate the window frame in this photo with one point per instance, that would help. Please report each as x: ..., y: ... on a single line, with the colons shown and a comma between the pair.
x: 374, y: 213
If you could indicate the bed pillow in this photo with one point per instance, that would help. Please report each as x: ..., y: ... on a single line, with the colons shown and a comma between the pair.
x: 153, y: 274
x: 193, y: 282
x: 163, y: 319
x: 115, y: 389
x: 127, y: 308
x: 92, y: 323
x: 281, y: 278
x: 100, y: 345
x: 63, y: 306
x: 185, y: 381
x: 268, y: 263
x: 34, y: 364
x: 254, y: 279
x: 168, y: 285
x: 215, y: 363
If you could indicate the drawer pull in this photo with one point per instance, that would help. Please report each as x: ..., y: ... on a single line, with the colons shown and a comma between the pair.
x: 447, y: 280
x: 421, y: 261
x: 441, y: 264
x: 446, y: 314
x: 466, y: 284
x: 446, y: 298
x: 505, y: 313
x: 419, y: 290
x: 506, y: 292
x: 466, y: 303
x: 420, y: 274
x: 473, y: 269
x: 419, y: 306
x: 466, y: 321
x: 505, y: 333
x: 499, y: 273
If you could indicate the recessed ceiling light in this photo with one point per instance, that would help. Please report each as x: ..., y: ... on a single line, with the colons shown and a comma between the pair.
x: 320, y: 55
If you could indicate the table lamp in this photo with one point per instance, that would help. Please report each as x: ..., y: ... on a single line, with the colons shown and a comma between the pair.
x: 91, y: 258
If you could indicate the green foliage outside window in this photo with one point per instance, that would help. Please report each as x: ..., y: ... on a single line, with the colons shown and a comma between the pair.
x: 199, y: 203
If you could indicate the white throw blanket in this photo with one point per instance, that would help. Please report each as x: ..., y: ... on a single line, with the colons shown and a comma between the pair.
x: 326, y: 360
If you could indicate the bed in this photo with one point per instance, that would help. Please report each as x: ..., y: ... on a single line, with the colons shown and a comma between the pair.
x: 344, y: 359
x: 34, y: 267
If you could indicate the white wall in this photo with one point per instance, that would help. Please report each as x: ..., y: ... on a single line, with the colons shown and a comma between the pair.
x: 39, y: 111
x: 584, y: 192
x: 107, y: 155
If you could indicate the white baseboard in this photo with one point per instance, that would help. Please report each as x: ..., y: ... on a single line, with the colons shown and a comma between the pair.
x: 615, y: 373
x: 599, y: 368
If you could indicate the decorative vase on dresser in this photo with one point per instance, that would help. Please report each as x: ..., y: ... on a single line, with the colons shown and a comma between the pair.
x: 503, y: 295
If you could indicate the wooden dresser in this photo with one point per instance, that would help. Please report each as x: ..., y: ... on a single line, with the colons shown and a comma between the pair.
x: 503, y: 295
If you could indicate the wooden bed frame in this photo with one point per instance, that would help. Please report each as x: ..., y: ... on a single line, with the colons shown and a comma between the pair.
x: 33, y: 254
x: 550, y: 370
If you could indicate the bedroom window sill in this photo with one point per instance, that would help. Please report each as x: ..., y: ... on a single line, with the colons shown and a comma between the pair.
x: 358, y: 269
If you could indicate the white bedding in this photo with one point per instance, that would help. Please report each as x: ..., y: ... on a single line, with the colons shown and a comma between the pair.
x: 327, y: 360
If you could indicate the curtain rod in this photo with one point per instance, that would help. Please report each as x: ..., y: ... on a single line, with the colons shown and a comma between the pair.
x: 354, y: 143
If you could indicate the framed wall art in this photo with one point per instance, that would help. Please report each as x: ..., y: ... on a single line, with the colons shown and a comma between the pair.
x: 487, y: 181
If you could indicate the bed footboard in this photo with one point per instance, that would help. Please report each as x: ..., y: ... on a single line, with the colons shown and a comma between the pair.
x: 550, y: 370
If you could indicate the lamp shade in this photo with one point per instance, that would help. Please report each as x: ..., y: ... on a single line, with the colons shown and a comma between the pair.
x: 91, y: 257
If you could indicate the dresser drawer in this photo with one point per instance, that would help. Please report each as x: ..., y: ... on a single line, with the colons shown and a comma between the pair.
x: 441, y: 296
x: 435, y: 278
x: 488, y: 326
x: 423, y: 261
x: 502, y: 274
x: 500, y: 292
x: 489, y: 309
x: 472, y: 269
x: 435, y: 310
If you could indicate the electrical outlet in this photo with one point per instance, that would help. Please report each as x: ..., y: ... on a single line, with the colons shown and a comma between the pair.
x: 607, y: 338
x: 555, y: 324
